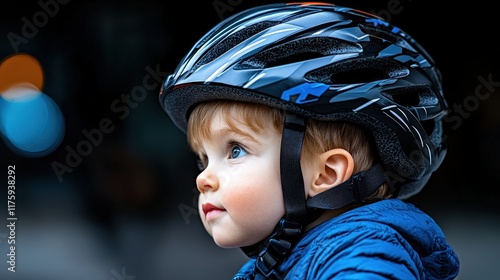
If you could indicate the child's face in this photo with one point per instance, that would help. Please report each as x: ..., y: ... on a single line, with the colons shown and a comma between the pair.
x: 240, y: 199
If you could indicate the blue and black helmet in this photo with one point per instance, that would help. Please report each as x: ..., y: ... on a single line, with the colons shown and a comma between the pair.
x: 325, y: 62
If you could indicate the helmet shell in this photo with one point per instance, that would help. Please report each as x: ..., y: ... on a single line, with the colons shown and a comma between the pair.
x: 329, y: 63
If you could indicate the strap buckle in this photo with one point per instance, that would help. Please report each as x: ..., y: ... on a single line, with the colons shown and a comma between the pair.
x: 354, y: 185
x: 277, y: 248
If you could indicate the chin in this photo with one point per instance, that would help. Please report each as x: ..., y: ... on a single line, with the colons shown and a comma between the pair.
x: 226, y: 243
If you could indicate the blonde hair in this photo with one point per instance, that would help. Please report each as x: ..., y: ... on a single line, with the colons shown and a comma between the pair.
x: 320, y: 136
x: 255, y: 116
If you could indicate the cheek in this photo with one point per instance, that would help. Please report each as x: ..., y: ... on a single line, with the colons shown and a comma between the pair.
x: 256, y: 198
x: 257, y: 215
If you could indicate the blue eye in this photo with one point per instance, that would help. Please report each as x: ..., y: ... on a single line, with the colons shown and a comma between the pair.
x: 237, y: 151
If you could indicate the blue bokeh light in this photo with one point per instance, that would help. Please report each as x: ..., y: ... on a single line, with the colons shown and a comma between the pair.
x: 31, y: 123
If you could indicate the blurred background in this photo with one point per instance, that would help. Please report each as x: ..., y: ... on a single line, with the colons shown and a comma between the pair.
x: 107, y: 188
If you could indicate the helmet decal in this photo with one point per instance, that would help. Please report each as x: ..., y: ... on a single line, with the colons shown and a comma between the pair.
x: 304, y: 93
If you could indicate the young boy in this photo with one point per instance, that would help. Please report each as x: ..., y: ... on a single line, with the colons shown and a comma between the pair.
x: 312, y: 123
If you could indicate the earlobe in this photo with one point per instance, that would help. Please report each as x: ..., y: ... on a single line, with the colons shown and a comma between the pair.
x: 333, y: 167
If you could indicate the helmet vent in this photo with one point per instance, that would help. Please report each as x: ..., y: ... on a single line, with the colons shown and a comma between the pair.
x: 430, y: 127
x: 233, y: 40
x: 355, y: 76
x: 412, y: 96
x: 298, y: 51
x: 434, y: 128
x: 363, y: 70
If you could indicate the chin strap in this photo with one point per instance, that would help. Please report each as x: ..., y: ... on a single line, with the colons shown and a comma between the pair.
x: 353, y: 190
x: 292, y: 182
x: 271, y: 252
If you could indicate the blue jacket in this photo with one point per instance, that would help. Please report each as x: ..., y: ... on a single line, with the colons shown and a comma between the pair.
x: 389, y: 239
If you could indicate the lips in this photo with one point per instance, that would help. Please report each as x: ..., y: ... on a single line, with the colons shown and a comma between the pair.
x: 207, y: 207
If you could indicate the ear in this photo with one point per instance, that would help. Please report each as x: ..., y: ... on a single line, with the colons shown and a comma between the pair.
x: 331, y: 168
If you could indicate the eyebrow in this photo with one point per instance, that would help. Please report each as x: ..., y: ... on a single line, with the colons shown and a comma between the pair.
x: 235, y: 133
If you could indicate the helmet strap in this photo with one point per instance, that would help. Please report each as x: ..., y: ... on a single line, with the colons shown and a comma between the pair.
x: 353, y: 190
x: 292, y: 182
x: 273, y: 250
x: 270, y: 252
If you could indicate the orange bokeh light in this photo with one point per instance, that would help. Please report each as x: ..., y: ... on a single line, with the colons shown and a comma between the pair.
x: 20, y: 69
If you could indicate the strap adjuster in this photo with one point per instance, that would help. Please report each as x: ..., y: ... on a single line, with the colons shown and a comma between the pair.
x: 277, y: 248
x: 354, y: 185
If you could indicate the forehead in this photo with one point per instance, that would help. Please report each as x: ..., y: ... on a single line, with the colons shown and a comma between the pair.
x: 237, y: 120
x: 242, y: 118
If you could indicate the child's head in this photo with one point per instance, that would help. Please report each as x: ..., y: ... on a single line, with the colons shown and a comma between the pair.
x: 238, y: 145
x: 341, y: 84
x: 319, y: 137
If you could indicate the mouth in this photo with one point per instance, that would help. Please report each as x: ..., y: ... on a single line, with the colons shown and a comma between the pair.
x: 208, y: 208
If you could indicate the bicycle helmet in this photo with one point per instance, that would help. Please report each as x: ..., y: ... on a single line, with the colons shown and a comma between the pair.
x: 326, y: 62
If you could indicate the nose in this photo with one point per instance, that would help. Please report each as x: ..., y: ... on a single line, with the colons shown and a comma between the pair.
x: 207, y: 181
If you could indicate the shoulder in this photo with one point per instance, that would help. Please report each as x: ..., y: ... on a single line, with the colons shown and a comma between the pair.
x: 383, y: 220
x: 359, y: 241
x: 357, y: 230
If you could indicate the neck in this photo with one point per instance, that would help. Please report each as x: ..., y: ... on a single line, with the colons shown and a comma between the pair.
x: 327, y: 215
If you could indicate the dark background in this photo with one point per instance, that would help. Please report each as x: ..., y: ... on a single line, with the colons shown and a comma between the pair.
x: 128, y: 208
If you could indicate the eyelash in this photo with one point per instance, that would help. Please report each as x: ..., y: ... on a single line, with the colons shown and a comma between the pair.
x: 231, y: 145
x: 202, y: 161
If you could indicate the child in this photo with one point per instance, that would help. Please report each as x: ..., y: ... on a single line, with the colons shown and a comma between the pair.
x: 312, y: 123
